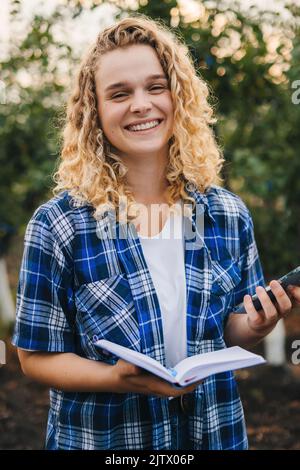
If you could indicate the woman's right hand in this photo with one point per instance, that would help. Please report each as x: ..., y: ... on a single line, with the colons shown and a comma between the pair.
x: 133, y: 379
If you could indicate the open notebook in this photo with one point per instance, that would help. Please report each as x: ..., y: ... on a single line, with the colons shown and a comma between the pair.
x: 189, y: 370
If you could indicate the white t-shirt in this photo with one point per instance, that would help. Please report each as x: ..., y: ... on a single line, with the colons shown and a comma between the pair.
x: 164, y: 254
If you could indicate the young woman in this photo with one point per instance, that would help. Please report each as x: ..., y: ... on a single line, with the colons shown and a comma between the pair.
x: 138, y: 131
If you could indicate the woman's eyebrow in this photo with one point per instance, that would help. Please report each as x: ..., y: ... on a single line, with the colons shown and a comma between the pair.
x: 113, y: 86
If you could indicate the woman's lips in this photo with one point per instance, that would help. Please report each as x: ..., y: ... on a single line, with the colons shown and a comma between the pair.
x: 145, y: 131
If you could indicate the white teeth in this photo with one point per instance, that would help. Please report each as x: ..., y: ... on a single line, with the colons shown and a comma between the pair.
x: 140, y: 127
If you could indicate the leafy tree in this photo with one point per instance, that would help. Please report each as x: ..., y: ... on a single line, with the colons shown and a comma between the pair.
x: 34, y: 94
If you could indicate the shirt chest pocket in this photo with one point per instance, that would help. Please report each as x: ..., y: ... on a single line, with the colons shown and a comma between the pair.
x: 105, y: 309
x: 226, y: 276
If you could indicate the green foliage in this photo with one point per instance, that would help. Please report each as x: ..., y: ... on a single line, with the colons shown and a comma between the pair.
x: 258, y: 124
x: 28, y: 135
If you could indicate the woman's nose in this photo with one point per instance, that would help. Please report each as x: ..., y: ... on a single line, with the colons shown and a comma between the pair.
x: 141, y: 104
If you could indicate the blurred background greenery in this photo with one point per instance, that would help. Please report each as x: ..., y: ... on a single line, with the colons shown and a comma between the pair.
x: 249, y: 56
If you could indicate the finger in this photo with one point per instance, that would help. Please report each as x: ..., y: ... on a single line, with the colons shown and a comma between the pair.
x: 269, y: 308
x: 160, y: 387
x: 255, y: 317
x: 128, y: 369
x: 283, y: 300
x: 196, y: 384
x: 170, y: 391
x: 294, y: 292
x: 189, y: 389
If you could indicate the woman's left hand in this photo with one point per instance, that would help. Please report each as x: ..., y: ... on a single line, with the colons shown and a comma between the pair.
x: 264, y: 320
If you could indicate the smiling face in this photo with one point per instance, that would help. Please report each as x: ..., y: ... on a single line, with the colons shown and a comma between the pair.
x: 143, y: 96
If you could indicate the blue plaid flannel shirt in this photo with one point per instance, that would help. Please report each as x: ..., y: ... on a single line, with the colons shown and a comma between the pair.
x: 75, y: 285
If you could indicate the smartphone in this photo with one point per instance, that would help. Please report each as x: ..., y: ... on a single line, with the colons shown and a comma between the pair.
x: 293, y: 277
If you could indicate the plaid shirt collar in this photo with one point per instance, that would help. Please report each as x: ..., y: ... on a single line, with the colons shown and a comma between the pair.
x: 200, y: 198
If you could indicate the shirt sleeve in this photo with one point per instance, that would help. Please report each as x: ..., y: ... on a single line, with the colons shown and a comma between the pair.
x: 250, y: 265
x: 44, y: 305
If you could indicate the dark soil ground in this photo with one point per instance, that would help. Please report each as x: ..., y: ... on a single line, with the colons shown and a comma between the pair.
x: 271, y: 398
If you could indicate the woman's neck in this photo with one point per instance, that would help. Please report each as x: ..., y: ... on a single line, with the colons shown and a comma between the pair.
x: 148, y: 182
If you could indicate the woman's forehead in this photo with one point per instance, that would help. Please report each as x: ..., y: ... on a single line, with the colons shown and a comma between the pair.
x: 123, y: 63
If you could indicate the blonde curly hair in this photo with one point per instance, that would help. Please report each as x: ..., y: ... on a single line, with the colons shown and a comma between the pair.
x: 88, y: 167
